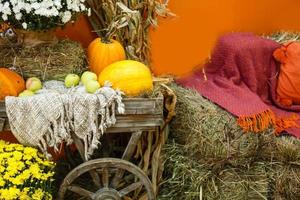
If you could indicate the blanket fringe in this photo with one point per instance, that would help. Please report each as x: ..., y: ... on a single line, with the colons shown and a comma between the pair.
x: 257, y: 122
x: 288, y: 122
x: 262, y: 121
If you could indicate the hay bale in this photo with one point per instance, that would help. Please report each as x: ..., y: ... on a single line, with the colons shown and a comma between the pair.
x: 214, y: 159
x: 285, y: 181
x: 283, y: 149
x: 190, y: 180
x: 249, y: 182
x: 212, y: 134
x: 186, y: 178
x: 283, y: 37
x: 48, y: 61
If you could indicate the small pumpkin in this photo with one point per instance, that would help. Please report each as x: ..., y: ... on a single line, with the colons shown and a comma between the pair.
x: 11, y: 83
x: 102, y: 53
x: 131, y: 77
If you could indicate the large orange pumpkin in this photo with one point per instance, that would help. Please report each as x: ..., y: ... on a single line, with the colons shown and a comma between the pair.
x: 131, y: 77
x: 101, y: 54
x: 11, y: 83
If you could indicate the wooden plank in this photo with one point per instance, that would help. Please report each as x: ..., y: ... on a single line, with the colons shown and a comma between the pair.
x: 2, y: 122
x: 2, y: 111
x: 130, y: 129
x: 138, y: 117
x: 120, y: 126
x: 123, y: 124
x: 145, y: 106
x: 140, y: 111
x: 133, y: 106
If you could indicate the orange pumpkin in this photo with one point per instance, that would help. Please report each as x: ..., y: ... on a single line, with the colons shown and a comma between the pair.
x: 101, y: 54
x: 11, y: 83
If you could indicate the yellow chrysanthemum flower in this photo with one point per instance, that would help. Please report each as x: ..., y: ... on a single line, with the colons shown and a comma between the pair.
x: 38, y: 194
x: 24, y: 173
x: 10, y: 193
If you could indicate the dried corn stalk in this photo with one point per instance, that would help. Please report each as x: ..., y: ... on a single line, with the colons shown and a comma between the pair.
x: 128, y: 21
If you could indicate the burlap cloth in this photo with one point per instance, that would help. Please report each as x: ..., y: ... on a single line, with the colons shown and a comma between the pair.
x: 48, y: 118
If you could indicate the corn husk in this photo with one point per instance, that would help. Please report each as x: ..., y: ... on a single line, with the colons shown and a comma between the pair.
x: 129, y: 22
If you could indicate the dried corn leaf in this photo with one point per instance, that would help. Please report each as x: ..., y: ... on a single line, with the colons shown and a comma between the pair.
x: 128, y: 21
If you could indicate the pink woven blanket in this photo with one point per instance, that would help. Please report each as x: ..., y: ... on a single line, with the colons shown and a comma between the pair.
x: 241, y: 78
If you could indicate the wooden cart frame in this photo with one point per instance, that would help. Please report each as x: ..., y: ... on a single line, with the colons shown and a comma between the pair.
x: 144, y: 119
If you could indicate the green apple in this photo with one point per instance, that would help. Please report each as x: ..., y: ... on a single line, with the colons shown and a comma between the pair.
x: 34, y: 84
x: 71, y: 80
x: 26, y: 93
x: 91, y: 86
x: 86, y: 76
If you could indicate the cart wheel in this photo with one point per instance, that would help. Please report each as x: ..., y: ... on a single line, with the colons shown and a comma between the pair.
x: 134, y: 184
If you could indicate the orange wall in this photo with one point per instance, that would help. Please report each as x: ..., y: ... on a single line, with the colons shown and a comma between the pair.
x: 184, y: 42
x: 181, y: 43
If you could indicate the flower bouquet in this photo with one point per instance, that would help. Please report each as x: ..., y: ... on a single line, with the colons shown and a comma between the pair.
x: 32, y: 22
x: 24, y: 173
x: 40, y: 14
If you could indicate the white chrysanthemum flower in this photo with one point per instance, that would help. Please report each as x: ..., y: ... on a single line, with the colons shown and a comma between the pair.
x: 66, y: 17
x: 82, y: 7
x: 36, y: 5
x: 4, y: 17
x: 57, y: 4
x: 27, y: 7
x: 24, y: 25
x: 33, y: 9
x: 18, y: 16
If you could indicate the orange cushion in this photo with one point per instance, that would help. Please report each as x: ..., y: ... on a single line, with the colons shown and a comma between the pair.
x: 288, y: 87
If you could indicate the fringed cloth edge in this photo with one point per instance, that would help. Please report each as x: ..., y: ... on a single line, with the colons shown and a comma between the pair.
x: 261, y: 121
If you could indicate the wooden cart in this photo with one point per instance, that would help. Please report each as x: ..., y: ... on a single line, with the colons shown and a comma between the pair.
x: 136, y: 173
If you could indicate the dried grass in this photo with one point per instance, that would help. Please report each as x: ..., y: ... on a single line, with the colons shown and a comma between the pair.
x: 48, y: 61
x: 283, y: 36
x: 212, y: 158
x: 186, y: 176
x: 212, y: 134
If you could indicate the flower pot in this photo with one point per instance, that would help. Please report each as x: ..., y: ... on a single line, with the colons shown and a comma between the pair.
x: 33, y: 38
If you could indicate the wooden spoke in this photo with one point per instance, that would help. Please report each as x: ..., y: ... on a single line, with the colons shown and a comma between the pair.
x: 135, y: 137
x: 127, y: 198
x: 130, y: 188
x: 80, y: 191
x: 118, y: 176
x: 105, y: 177
x: 96, y: 178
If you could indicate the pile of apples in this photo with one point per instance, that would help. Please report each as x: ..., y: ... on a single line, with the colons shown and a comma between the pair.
x: 33, y: 85
x: 88, y: 80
